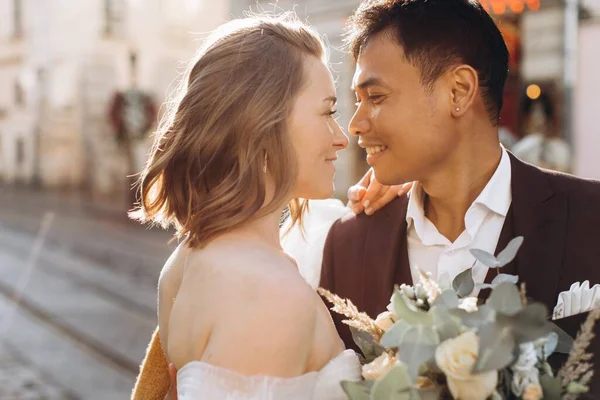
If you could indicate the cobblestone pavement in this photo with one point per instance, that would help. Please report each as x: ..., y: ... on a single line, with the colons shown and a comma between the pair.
x: 77, y: 297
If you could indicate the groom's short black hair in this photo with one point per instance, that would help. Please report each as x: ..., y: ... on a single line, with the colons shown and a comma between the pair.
x: 437, y: 35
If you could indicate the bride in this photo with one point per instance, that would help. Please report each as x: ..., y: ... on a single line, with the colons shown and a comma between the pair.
x: 253, y: 132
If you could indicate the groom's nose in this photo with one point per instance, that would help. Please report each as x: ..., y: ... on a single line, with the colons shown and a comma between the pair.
x: 359, y: 124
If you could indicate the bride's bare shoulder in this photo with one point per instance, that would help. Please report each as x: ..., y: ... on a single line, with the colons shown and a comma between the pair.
x: 237, y: 273
x: 249, y: 302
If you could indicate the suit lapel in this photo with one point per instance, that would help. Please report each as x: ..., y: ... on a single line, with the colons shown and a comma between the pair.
x: 384, y: 244
x: 539, y: 215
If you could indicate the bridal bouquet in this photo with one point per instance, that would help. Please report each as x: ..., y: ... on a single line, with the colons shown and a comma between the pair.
x: 438, y: 342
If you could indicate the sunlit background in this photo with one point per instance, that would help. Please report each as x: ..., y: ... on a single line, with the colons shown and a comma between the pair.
x: 77, y: 279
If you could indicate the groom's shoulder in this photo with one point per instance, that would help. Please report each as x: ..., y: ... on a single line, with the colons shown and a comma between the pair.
x: 581, y: 195
x: 352, y: 225
x: 576, y: 188
x: 531, y: 177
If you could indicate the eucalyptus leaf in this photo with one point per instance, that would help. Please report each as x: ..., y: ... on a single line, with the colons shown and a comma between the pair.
x: 430, y: 394
x: 501, y: 278
x: 529, y: 324
x: 577, y: 388
x: 367, y: 344
x: 552, y: 387
x: 464, y: 284
x: 447, y: 326
x: 357, y: 390
x: 485, y: 258
x: 395, y: 335
x: 481, y: 286
x: 550, y: 345
x: 505, y: 299
x: 484, y: 314
x: 444, y: 281
x: 417, y: 347
x: 565, y: 341
x: 395, y: 385
x: 405, y: 312
x: 510, y: 252
x: 496, y: 348
x: 448, y: 299
x: 416, y: 344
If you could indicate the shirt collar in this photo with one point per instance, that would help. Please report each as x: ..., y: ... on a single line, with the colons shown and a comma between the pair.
x: 496, y: 196
x: 415, y: 214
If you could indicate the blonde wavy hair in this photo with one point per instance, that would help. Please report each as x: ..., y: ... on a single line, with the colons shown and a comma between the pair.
x: 205, y: 174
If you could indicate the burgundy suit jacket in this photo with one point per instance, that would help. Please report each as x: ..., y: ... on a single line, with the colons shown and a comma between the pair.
x: 557, y: 214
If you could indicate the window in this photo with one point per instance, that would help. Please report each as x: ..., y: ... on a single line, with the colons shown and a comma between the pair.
x: 17, y: 18
x: 20, y: 151
x: 114, y: 18
x: 19, y: 95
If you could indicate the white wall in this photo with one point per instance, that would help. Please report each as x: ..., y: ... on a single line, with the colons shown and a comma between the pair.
x: 17, y: 128
x: 15, y: 122
x: 587, y: 103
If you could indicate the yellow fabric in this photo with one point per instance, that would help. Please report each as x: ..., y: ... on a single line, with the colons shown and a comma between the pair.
x: 153, y: 380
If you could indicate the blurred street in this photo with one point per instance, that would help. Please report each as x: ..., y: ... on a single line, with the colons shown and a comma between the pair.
x: 77, y: 297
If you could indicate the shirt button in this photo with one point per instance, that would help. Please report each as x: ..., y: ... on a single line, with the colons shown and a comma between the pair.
x: 450, y: 252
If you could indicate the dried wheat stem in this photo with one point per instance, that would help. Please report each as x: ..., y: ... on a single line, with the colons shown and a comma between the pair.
x: 523, y: 293
x: 357, y: 319
x: 576, y: 367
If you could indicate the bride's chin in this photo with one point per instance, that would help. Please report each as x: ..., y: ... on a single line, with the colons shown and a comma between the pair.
x: 318, y: 195
x: 325, y: 194
x: 314, y: 189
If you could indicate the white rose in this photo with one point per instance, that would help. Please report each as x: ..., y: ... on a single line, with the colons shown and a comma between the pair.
x: 456, y: 358
x: 385, y: 320
x: 468, y: 304
x: 378, y: 367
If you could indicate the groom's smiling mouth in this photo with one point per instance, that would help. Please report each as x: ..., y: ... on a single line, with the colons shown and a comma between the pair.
x: 374, y: 151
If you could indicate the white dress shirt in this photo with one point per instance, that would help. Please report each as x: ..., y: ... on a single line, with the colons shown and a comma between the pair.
x: 430, y: 251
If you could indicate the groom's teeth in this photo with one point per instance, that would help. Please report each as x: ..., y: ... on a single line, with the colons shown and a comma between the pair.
x: 375, y: 149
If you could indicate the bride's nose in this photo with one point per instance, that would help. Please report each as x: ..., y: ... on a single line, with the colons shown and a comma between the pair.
x: 340, y: 139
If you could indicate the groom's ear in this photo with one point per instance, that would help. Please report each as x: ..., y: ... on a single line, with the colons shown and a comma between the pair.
x: 465, y: 88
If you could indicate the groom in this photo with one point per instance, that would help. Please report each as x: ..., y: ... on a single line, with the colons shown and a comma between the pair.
x: 429, y: 81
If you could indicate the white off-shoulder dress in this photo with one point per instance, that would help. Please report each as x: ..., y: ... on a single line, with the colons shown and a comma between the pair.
x: 198, y: 380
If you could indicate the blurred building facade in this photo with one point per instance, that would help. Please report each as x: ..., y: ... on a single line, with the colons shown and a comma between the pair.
x: 62, y: 64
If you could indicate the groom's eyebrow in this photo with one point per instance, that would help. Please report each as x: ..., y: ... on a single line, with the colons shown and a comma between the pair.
x: 372, y: 81
x: 332, y: 99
